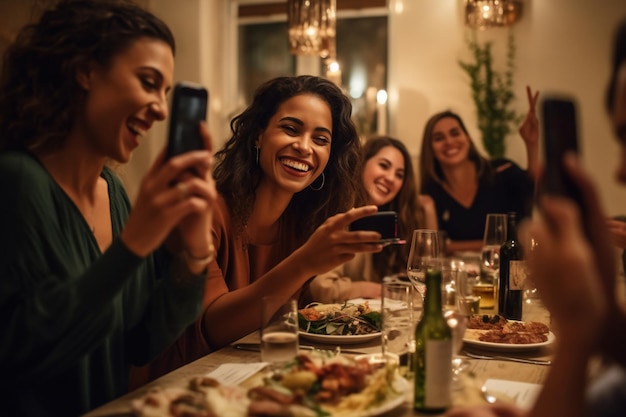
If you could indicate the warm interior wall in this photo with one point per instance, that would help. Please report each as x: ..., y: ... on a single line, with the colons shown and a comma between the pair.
x: 561, y: 45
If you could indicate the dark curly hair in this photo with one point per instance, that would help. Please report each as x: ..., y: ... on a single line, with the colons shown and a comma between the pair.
x: 39, y: 94
x: 430, y: 168
x: 237, y: 174
x: 393, y: 258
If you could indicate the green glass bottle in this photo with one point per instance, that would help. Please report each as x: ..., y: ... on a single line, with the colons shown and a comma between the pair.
x: 432, y: 363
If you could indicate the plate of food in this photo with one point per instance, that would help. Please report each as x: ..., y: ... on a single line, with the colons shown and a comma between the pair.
x: 299, y: 389
x: 345, y: 323
x: 497, y: 333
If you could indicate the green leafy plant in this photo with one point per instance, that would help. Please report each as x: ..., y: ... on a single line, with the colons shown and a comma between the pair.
x: 492, y: 92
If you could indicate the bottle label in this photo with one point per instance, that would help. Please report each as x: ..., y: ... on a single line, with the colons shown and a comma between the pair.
x: 438, y: 373
x: 517, y: 275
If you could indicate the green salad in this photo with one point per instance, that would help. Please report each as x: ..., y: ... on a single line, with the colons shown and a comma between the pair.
x: 339, y: 319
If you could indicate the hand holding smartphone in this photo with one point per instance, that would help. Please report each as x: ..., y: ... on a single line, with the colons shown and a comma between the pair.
x: 189, y: 108
x: 383, y: 222
x: 559, y: 136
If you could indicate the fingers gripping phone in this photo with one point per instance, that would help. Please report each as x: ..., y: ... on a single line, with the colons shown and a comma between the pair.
x: 383, y: 222
x: 560, y: 135
x: 189, y: 108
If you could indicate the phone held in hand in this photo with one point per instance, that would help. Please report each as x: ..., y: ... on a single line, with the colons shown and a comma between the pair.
x: 189, y: 108
x: 383, y: 222
x: 560, y: 135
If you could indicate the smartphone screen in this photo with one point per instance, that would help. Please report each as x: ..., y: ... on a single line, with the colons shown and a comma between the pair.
x: 383, y: 222
x: 189, y: 107
x: 560, y: 135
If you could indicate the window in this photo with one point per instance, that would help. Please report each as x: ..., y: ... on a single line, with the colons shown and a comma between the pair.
x: 361, y: 42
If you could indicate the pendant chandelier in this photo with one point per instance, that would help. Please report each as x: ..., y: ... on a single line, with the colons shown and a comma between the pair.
x: 312, y: 27
x: 482, y: 14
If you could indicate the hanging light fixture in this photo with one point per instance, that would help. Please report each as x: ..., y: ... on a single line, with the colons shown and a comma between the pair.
x: 312, y: 27
x: 482, y: 14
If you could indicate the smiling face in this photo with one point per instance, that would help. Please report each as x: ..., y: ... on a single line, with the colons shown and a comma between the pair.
x: 383, y: 175
x: 449, y: 142
x: 295, y: 146
x: 124, y: 99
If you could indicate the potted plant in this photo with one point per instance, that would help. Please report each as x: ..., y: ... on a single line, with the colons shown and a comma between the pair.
x: 492, y: 94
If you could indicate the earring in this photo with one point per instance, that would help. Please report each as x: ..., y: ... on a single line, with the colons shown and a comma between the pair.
x: 258, y: 150
x: 321, y: 185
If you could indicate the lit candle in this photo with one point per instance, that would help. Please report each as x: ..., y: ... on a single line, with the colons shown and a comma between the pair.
x: 334, y: 73
x: 381, y: 110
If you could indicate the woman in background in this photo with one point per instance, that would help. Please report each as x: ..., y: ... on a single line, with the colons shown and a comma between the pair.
x: 466, y: 186
x: 389, y: 181
x: 575, y: 273
x: 286, y: 191
x: 88, y: 285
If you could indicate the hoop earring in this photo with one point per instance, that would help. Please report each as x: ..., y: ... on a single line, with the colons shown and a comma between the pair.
x: 321, y: 186
x: 258, y: 150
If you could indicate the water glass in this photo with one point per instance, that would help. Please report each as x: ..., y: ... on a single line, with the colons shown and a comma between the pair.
x: 397, y: 317
x: 279, y: 331
x: 425, y: 253
x: 493, y: 238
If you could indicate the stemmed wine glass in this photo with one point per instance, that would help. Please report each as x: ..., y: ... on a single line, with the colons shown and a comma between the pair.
x: 424, y: 253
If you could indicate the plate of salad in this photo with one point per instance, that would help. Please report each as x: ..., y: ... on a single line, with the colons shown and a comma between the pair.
x: 346, y: 323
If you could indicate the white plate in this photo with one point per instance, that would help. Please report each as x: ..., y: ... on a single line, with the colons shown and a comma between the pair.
x: 509, y: 346
x: 340, y: 339
x: 400, y: 384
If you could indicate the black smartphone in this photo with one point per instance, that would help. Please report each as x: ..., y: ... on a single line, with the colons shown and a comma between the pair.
x: 189, y: 108
x: 383, y: 222
x: 560, y: 134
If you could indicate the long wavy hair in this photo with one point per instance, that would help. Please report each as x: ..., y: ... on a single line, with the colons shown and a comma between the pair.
x: 39, y: 92
x: 430, y: 169
x: 237, y: 174
x: 410, y: 215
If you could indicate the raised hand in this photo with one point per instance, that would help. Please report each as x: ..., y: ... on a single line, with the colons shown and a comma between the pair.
x: 167, y: 195
x: 529, y: 129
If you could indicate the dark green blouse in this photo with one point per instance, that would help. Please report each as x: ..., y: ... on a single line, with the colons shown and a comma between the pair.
x: 72, y: 318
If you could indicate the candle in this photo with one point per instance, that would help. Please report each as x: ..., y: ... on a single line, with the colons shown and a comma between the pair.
x: 334, y: 73
x: 381, y: 110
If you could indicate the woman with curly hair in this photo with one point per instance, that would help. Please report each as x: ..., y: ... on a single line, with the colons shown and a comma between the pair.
x: 286, y: 196
x: 389, y: 180
x: 89, y: 286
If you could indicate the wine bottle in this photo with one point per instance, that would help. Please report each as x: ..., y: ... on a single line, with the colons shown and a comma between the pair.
x: 432, y: 363
x: 512, y: 273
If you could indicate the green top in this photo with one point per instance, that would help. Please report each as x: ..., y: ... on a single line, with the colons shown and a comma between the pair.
x: 73, y: 319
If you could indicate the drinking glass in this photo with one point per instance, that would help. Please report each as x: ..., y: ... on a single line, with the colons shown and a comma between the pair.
x: 458, y: 323
x: 397, y: 321
x: 279, y: 331
x: 451, y: 269
x: 494, y: 237
x: 530, y: 290
x: 453, y: 287
x: 424, y: 253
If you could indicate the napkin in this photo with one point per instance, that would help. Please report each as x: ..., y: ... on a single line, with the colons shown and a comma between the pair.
x: 523, y: 393
x: 235, y: 373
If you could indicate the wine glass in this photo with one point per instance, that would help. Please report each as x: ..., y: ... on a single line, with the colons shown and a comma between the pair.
x: 494, y: 236
x: 424, y: 253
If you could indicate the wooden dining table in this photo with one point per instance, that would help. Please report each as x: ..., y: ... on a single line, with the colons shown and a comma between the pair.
x: 479, y: 370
